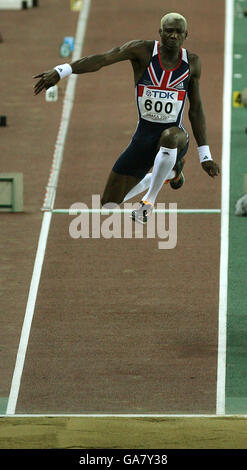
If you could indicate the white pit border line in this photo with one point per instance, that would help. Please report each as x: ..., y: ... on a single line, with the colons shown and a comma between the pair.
x: 57, y: 160
x: 225, y: 200
x: 124, y: 415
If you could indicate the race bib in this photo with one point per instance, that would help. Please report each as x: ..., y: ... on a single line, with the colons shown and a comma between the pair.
x: 159, y: 105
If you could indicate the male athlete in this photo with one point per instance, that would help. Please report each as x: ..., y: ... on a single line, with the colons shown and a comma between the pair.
x: 165, y: 74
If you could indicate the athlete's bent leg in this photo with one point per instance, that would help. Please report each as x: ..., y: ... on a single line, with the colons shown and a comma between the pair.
x: 117, y: 187
x: 145, y: 184
x: 182, y: 142
x: 172, y: 141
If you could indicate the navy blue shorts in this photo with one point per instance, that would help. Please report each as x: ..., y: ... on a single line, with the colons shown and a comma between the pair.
x: 138, y: 158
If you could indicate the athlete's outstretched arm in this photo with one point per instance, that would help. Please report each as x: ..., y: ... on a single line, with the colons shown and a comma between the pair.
x: 197, y: 117
x: 128, y: 51
x: 196, y: 111
x: 133, y: 50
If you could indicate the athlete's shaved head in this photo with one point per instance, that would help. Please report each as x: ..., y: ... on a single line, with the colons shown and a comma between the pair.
x: 173, y: 16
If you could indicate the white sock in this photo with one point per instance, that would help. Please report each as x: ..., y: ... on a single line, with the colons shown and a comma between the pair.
x: 163, y: 165
x: 171, y: 175
x: 140, y: 187
x: 144, y: 184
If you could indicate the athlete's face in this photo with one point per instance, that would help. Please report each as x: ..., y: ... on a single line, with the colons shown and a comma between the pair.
x: 173, y: 33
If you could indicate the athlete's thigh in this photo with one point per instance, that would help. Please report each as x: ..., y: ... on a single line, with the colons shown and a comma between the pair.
x: 130, y: 168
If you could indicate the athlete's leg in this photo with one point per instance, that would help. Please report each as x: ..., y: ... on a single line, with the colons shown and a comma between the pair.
x: 146, y: 181
x: 136, y: 187
x: 172, y: 142
x: 144, y: 184
x: 117, y: 187
x: 139, y: 188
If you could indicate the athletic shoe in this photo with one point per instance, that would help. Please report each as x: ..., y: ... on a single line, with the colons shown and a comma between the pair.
x: 178, y: 181
x: 143, y: 212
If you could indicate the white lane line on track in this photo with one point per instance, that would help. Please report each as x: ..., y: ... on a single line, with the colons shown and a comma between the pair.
x: 66, y: 111
x: 21, y: 354
x: 225, y: 198
x: 57, y: 160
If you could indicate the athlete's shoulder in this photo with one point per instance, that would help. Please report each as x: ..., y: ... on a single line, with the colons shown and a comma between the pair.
x: 142, y: 43
x: 194, y: 63
x: 193, y: 58
x: 139, y: 47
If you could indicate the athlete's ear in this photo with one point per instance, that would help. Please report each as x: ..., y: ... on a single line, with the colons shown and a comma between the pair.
x: 186, y: 34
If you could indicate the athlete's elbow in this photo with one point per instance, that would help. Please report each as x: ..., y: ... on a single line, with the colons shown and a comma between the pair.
x: 192, y: 115
x: 88, y: 64
x: 196, y: 113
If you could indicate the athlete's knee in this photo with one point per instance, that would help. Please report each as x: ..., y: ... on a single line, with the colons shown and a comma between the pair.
x: 103, y: 200
x: 107, y: 196
x: 112, y: 190
x: 169, y: 138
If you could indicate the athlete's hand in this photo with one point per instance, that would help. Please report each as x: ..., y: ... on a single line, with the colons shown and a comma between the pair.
x: 211, y: 168
x: 47, y: 79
